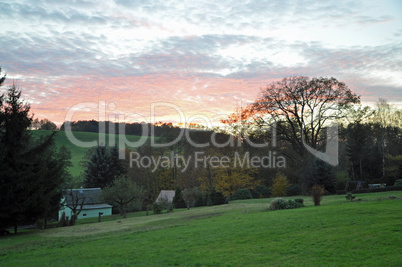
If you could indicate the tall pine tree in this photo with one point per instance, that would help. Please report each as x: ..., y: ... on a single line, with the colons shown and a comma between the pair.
x: 103, y: 167
x: 31, y: 172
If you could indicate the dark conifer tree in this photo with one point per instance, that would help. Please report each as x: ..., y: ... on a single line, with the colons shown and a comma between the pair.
x: 323, y: 174
x: 103, y: 167
x: 31, y: 172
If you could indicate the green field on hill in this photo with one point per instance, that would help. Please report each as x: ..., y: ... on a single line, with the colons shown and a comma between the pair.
x: 243, y: 233
x: 78, y: 152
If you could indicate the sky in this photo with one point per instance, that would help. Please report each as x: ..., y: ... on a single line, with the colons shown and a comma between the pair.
x: 191, y: 61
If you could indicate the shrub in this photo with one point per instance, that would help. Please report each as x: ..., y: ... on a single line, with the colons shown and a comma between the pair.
x: 169, y: 207
x: 398, y: 182
x: 157, y: 208
x: 190, y: 196
x: 280, y: 185
x: 275, y: 203
x: 282, y: 204
x: 200, y: 201
x: 178, y: 201
x: 299, y: 200
x: 293, y: 190
x: 260, y: 191
x: 216, y: 198
x: 63, y: 221
x: 317, y: 191
x: 350, y: 196
x: 242, y: 194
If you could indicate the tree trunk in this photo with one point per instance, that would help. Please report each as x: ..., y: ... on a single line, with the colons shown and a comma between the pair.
x: 122, y: 211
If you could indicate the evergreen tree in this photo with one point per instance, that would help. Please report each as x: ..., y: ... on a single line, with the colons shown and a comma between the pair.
x: 31, y: 173
x: 50, y: 173
x: 116, y: 167
x: 15, y: 166
x: 103, y: 167
x: 323, y: 174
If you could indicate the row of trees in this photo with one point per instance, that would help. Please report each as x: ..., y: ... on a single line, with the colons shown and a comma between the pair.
x: 157, y: 129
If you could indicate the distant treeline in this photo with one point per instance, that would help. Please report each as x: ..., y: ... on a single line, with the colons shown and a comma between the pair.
x: 167, y: 131
x: 159, y: 129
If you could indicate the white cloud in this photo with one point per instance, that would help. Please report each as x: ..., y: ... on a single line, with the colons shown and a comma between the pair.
x: 253, y: 41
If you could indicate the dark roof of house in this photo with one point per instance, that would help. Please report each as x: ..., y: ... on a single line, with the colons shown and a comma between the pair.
x: 95, y: 206
x: 86, y: 196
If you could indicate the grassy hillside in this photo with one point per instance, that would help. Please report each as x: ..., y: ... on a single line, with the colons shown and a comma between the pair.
x: 242, y: 233
x: 78, y: 152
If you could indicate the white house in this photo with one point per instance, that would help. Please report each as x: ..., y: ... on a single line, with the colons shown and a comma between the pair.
x: 166, y: 195
x: 88, y: 200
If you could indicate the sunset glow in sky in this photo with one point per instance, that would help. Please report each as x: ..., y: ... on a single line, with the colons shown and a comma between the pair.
x: 203, y: 57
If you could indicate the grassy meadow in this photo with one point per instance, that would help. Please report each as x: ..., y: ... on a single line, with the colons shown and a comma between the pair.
x: 78, y: 152
x: 243, y: 233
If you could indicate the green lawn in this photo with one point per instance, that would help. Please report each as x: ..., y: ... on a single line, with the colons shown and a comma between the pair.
x: 242, y: 233
x: 78, y: 152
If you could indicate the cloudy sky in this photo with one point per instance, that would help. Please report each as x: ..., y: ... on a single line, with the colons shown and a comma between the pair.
x: 202, y: 57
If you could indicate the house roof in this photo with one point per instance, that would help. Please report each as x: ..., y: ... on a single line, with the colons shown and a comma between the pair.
x: 86, y: 196
x: 166, y: 194
x: 95, y: 206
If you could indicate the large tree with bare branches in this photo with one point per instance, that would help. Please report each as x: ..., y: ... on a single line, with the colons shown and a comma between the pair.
x: 300, y: 107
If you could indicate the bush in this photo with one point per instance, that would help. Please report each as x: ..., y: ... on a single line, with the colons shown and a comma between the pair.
x: 63, y: 221
x: 215, y: 198
x: 293, y: 190
x: 282, y: 204
x: 275, y: 203
x: 241, y: 194
x: 178, y: 201
x: 299, y: 200
x: 200, y: 201
x: 157, y: 208
x: 398, y: 182
x: 350, y: 196
x: 317, y: 191
x: 280, y: 185
x: 260, y: 191
x: 190, y: 196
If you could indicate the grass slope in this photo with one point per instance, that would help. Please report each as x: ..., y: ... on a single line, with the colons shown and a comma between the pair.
x: 243, y: 233
x: 78, y: 152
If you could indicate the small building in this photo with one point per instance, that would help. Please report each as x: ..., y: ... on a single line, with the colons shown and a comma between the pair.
x: 166, y: 195
x: 88, y: 200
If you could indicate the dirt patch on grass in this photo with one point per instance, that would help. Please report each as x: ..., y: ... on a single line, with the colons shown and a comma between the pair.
x: 136, y: 224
